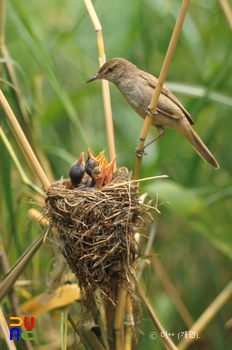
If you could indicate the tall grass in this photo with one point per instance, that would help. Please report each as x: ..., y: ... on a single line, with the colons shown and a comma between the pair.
x: 53, y: 52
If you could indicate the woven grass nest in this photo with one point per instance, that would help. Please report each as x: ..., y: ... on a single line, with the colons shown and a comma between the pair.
x: 96, y: 231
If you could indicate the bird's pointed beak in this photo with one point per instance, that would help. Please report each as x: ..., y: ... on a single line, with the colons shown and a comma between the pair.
x: 90, y: 156
x: 81, y: 159
x: 109, y: 168
x: 96, y: 159
x: 95, y: 77
x: 98, y: 174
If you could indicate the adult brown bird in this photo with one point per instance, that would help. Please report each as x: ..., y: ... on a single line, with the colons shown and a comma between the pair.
x: 137, y: 87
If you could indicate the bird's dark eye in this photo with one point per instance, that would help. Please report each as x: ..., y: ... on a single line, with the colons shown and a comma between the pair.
x: 110, y: 69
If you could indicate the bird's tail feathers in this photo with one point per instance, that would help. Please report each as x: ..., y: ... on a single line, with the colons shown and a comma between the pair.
x: 198, y: 145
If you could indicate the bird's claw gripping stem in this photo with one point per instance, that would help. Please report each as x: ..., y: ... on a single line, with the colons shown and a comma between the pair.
x: 151, y: 112
x: 140, y: 153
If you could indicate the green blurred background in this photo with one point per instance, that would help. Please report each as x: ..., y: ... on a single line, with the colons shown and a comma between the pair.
x: 53, y: 49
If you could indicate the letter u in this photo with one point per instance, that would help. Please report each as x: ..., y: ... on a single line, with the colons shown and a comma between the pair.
x: 27, y: 326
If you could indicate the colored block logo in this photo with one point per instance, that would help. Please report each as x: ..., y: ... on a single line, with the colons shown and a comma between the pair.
x: 16, y: 322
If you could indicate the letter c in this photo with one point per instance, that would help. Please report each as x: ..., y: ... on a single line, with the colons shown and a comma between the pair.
x: 23, y: 335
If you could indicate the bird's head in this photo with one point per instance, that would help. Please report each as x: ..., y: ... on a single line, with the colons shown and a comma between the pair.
x: 112, y: 70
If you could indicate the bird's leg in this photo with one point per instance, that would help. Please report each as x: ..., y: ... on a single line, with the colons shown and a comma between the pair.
x: 161, y: 132
x: 160, y: 129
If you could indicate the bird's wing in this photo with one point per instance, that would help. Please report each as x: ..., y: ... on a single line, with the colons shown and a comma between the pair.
x: 152, y: 81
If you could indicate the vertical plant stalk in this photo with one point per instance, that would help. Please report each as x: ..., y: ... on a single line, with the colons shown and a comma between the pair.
x: 14, y: 158
x: 100, y: 319
x: 227, y: 11
x: 167, y: 342
x: 2, y: 21
x: 171, y: 290
x: 105, y: 85
x: 207, y: 315
x: 2, y: 27
x: 23, y: 141
x: 64, y: 329
x: 5, y: 332
x: 160, y: 82
x: 128, y: 324
x: 9, y: 67
x: 150, y: 241
x: 118, y: 320
x: 120, y: 309
x: 14, y: 84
